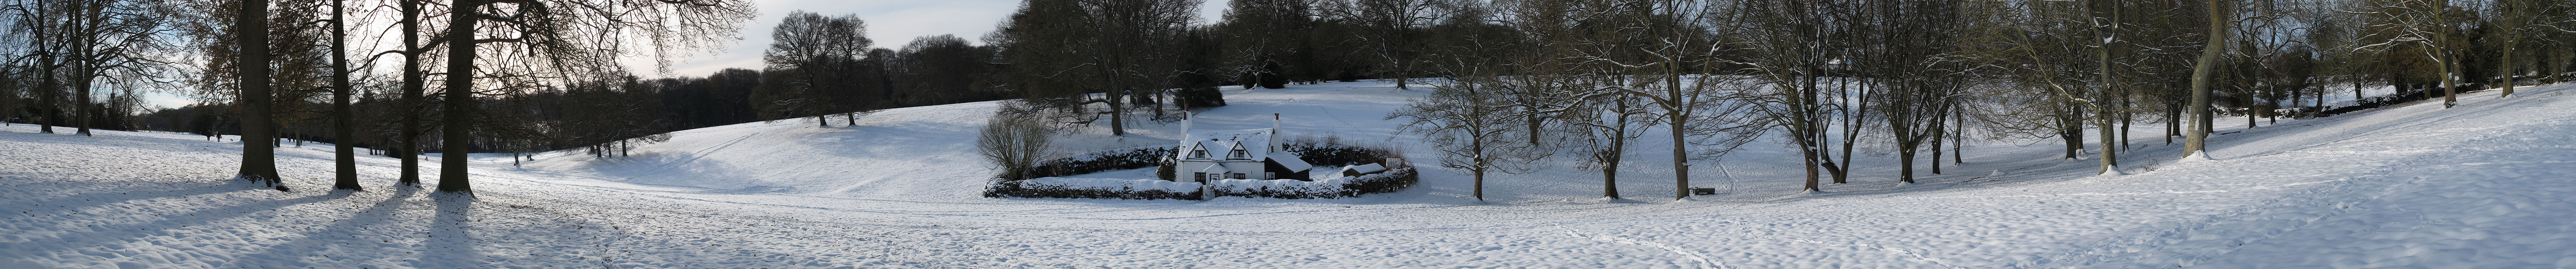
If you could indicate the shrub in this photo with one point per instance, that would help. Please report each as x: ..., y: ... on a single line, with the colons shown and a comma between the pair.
x: 1199, y: 97
x: 1391, y: 181
x: 1163, y: 170
x: 1335, y: 154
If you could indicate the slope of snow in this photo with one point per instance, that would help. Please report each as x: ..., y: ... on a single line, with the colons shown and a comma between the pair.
x: 2480, y: 186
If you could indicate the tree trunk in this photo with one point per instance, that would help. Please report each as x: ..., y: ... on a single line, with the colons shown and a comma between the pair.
x: 1810, y: 156
x: 1958, y: 136
x: 2197, y: 140
x: 1618, y: 149
x: 2442, y: 53
x: 344, y: 154
x: 1481, y: 163
x: 1939, y: 131
x: 414, y: 82
x: 1851, y: 131
x: 1677, y: 113
x: 2071, y: 130
x: 459, y: 102
x: 84, y: 74
x: 2505, y: 64
x: 259, y: 161
x: 49, y: 107
x: 1905, y: 165
x: 2250, y: 109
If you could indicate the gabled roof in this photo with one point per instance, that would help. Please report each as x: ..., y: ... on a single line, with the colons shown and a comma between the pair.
x: 1290, y: 161
x: 1218, y: 143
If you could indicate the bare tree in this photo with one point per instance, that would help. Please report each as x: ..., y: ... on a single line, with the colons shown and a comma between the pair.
x: 2425, y: 24
x: 1259, y: 39
x: 820, y: 57
x: 1061, y: 51
x: 2513, y: 18
x: 1465, y: 119
x: 561, y: 37
x: 1786, y: 40
x: 1015, y: 139
x: 2196, y: 141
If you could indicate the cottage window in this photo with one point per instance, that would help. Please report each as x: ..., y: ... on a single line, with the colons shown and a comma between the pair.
x: 1269, y: 175
x: 1238, y: 175
x: 1198, y: 153
x: 1239, y: 153
x: 1199, y: 177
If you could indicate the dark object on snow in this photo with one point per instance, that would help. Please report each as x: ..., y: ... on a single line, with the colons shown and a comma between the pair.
x: 1703, y: 191
x: 1200, y: 97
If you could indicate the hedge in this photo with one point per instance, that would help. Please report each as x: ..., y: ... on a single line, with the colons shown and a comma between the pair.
x: 1044, y: 189
x: 1103, y: 161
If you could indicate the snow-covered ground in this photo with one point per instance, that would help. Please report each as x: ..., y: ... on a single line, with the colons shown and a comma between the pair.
x: 2483, y: 185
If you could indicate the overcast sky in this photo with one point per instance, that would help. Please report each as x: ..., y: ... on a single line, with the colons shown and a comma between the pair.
x: 891, y: 23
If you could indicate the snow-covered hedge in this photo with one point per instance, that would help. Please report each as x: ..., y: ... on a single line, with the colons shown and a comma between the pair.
x: 1101, y: 161
x: 1338, y: 187
x: 1049, y: 181
x: 1390, y: 181
x: 1332, y: 153
x: 1057, y: 187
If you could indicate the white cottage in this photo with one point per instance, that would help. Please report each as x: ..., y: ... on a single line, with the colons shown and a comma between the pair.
x: 1235, y: 154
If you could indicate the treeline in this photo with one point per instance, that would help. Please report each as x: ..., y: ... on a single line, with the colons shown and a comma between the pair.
x: 1525, y: 81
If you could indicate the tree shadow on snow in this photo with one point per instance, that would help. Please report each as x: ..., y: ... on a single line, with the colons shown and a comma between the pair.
x: 96, y: 197
x: 342, y: 234
x: 450, y: 240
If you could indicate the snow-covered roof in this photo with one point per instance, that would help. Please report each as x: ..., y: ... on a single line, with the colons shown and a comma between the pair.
x: 1363, y: 169
x: 1290, y: 161
x: 1219, y: 143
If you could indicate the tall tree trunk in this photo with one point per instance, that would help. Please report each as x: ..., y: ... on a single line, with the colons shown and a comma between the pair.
x: 49, y: 105
x: 2442, y: 53
x: 459, y: 102
x: 414, y: 83
x: 84, y: 71
x: 1959, y: 136
x: 2250, y: 109
x: 1676, y: 113
x: 2102, y: 106
x: 259, y: 163
x: 343, y: 134
x: 2071, y: 130
x: 1940, y: 132
x: 2196, y: 141
x: 2173, y: 122
x: 2505, y: 63
x: 1619, y: 148
x: 1851, y: 130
